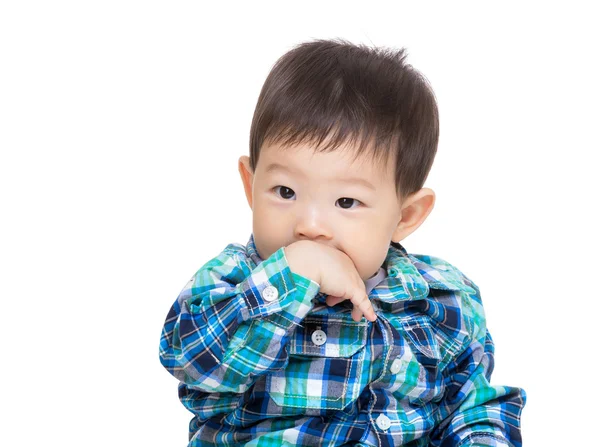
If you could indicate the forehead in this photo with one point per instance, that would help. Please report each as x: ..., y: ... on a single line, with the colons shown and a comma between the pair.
x: 341, y: 163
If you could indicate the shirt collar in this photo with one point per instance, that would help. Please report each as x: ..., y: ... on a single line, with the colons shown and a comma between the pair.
x: 406, y: 276
x: 411, y: 276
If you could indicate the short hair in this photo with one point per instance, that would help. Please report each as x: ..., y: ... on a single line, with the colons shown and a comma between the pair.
x: 352, y: 93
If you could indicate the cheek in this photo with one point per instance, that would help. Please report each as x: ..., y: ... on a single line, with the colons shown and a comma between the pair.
x: 364, y: 231
x: 369, y: 246
x: 361, y: 238
x: 268, y: 216
x: 271, y: 228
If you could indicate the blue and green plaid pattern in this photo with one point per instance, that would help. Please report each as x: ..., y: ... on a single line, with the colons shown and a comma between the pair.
x: 293, y: 371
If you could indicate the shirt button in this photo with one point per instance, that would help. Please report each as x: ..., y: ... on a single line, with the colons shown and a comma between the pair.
x: 383, y: 422
x: 396, y: 366
x: 319, y: 337
x: 270, y: 293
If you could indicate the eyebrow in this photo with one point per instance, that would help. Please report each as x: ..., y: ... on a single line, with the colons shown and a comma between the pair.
x: 278, y: 167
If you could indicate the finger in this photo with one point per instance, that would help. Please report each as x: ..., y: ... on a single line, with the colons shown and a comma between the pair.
x: 365, y: 306
x: 356, y: 314
x: 361, y: 300
x: 369, y: 314
x: 372, y: 315
x: 333, y: 300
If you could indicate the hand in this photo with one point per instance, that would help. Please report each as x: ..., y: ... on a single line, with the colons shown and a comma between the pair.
x: 335, y: 272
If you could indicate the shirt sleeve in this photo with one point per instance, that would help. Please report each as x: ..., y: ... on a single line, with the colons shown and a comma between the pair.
x: 230, y: 325
x: 473, y: 412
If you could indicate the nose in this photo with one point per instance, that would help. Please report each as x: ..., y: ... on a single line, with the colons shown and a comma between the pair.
x: 313, y: 224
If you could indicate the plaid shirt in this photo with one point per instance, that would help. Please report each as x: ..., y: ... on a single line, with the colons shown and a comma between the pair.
x: 262, y: 360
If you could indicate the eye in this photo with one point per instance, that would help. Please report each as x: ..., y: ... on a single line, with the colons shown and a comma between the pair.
x: 348, y: 201
x: 286, y: 192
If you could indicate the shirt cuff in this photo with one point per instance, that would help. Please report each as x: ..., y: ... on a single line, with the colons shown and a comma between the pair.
x: 274, y: 291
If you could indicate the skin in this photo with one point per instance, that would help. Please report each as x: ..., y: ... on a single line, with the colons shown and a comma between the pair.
x: 319, y: 207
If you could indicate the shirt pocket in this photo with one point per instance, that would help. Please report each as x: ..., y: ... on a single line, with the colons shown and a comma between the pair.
x: 326, y: 355
x: 417, y: 380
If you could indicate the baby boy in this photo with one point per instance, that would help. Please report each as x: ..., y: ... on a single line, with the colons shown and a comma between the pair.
x: 322, y: 330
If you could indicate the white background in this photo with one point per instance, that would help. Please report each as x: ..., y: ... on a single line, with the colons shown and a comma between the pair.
x: 118, y: 120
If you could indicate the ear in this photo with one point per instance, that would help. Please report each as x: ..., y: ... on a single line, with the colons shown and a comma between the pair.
x: 414, y: 211
x: 247, y: 176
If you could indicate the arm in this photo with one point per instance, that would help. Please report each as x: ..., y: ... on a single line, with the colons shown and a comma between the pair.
x: 223, y: 331
x: 473, y: 412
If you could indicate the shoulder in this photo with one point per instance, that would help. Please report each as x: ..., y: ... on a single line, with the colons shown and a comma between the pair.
x: 441, y: 274
x: 454, y: 301
x: 229, y: 267
x: 230, y: 258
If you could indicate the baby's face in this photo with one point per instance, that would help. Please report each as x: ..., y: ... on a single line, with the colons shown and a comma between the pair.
x: 300, y: 194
